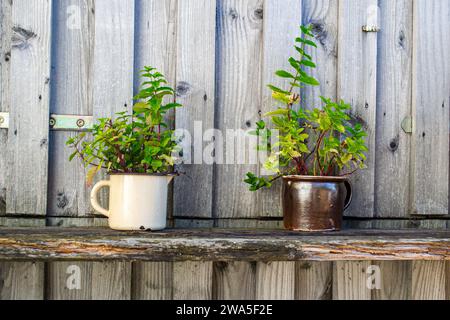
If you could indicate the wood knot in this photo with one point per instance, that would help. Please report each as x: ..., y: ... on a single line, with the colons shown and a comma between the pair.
x: 259, y: 13
x: 8, y: 56
x: 233, y: 14
x: 21, y: 37
x: 183, y: 88
x: 401, y: 39
x: 319, y: 31
x: 393, y: 145
x: 61, y: 200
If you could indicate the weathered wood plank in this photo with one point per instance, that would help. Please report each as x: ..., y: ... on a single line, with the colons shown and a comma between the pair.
x: 431, y: 103
x: 395, y: 281
x: 357, y: 77
x: 239, y: 74
x: 27, y: 150
x: 221, y: 245
x: 192, y: 280
x: 277, y: 48
x: 196, y: 91
x: 234, y: 280
x: 21, y: 280
x: 275, y: 280
x: 393, y: 105
x: 152, y: 280
x: 71, y: 90
x: 323, y: 16
x: 313, y: 280
x: 428, y: 280
x: 350, y: 280
x: 5, y: 59
x: 81, y: 280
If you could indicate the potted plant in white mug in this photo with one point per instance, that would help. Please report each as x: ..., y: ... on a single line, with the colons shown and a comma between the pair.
x: 316, y: 150
x: 137, y: 154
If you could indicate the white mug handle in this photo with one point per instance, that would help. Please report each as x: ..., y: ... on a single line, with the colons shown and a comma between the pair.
x: 94, y: 198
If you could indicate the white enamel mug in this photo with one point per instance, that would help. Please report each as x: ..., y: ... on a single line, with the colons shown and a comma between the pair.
x: 136, y: 201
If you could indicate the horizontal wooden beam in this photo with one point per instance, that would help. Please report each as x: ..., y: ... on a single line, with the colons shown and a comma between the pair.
x: 60, y: 244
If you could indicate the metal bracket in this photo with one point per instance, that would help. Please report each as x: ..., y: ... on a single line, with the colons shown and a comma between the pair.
x: 70, y: 122
x: 58, y: 122
x: 4, y: 120
x: 407, y: 124
x: 370, y: 28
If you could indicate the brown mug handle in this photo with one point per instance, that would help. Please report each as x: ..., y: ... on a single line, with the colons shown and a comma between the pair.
x: 348, y: 197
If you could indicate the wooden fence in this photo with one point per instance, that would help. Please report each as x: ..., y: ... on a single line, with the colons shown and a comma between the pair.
x: 81, y: 57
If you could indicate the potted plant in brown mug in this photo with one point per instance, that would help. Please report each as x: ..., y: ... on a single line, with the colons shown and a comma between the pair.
x: 316, y: 150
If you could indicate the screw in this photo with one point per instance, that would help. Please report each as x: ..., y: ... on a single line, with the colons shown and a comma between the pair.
x: 52, y: 122
x: 2, y: 120
x: 80, y: 123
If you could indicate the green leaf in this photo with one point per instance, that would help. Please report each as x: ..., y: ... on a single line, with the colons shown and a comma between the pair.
x: 277, y: 112
x: 306, y: 42
x: 140, y: 107
x: 284, y: 74
x: 308, y: 63
x: 273, y: 88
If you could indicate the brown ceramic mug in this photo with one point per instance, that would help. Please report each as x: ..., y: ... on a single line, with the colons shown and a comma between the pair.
x: 313, y: 203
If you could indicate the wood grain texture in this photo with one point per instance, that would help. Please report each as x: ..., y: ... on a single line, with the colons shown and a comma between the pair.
x: 238, y: 103
x: 5, y: 63
x: 350, y: 280
x: 152, y: 281
x: 275, y: 280
x: 21, y: 280
x: 357, y: 83
x: 97, y: 280
x: 323, y: 16
x: 394, y: 82
x: 196, y: 91
x: 428, y: 280
x: 395, y: 281
x: 234, y: 280
x: 192, y: 280
x: 279, y: 39
x: 431, y: 103
x: 313, y: 280
x: 71, y: 93
x: 27, y: 150
x: 95, y: 244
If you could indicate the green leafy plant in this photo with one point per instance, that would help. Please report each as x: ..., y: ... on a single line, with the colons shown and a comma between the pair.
x: 133, y: 142
x: 319, y: 141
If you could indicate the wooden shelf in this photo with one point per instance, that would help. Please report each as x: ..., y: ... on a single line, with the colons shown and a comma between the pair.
x: 58, y: 244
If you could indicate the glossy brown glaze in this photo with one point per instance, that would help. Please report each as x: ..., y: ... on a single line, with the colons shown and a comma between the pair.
x: 314, y: 203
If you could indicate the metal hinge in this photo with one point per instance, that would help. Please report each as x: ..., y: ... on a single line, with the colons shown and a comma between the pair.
x: 70, y: 122
x: 407, y: 124
x: 370, y: 28
x: 58, y: 122
x: 4, y: 120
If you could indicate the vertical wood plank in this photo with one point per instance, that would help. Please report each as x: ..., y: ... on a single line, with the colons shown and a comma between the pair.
x: 394, y: 82
x: 196, y: 91
x: 97, y: 281
x: 21, y: 280
x: 357, y: 75
x: 279, y: 39
x: 275, y: 280
x: 323, y: 16
x: 239, y: 72
x: 192, y: 280
x: 313, y: 280
x: 28, y: 134
x: 395, y: 280
x: 152, y: 280
x: 5, y: 58
x: 155, y: 40
x: 428, y: 280
x: 71, y: 91
x: 350, y: 280
x: 234, y: 280
x: 447, y: 280
x: 431, y: 103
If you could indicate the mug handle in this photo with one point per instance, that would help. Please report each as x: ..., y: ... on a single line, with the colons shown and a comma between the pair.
x: 348, y: 197
x: 94, y: 198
